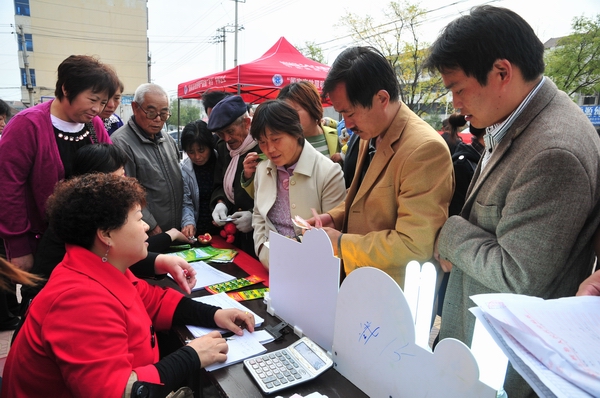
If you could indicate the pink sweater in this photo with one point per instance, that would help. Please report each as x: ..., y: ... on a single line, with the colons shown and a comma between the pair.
x: 30, y: 166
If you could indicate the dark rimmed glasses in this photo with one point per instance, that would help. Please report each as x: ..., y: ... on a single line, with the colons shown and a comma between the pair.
x: 164, y: 116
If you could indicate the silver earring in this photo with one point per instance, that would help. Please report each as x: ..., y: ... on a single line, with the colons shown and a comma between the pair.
x: 105, y: 257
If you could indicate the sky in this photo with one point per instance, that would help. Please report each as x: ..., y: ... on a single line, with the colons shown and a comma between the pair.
x: 182, y: 32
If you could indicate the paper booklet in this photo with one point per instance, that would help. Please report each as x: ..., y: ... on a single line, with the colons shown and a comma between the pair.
x: 553, y: 344
x: 224, y: 301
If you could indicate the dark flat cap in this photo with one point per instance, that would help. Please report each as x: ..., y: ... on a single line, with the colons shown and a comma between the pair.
x: 226, y: 112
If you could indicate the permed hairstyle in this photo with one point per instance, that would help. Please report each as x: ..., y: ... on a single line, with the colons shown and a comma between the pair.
x: 81, y: 72
x: 98, y: 158
x: 306, y: 95
x: 474, y: 42
x: 197, y: 133
x: 82, y: 205
x: 365, y: 71
x: 278, y: 116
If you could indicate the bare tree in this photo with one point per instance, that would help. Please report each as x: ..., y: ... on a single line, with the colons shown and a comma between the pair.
x: 398, y: 39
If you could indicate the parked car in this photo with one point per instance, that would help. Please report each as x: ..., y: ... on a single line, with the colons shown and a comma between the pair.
x: 176, y: 135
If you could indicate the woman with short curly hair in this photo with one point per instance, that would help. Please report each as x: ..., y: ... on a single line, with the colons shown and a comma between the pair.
x: 90, y: 331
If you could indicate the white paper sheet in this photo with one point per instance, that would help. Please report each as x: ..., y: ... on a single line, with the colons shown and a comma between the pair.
x: 207, y: 275
x: 240, y: 348
x: 224, y: 301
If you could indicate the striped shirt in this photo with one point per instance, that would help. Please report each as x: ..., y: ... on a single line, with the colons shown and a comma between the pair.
x: 319, y: 143
x: 494, y: 134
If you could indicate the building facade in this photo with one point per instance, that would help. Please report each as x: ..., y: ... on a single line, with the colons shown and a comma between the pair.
x: 115, y: 31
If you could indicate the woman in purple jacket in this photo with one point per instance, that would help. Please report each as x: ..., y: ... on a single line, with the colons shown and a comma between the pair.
x: 37, y: 147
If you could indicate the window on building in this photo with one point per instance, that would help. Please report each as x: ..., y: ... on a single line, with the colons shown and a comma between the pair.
x: 589, y: 100
x: 24, y: 77
x: 28, y: 42
x: 22, y: 7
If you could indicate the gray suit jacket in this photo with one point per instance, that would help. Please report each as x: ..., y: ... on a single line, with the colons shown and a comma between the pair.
x: 529, y: 217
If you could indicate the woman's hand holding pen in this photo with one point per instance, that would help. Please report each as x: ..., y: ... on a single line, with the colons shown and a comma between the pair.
x: 235, y: 320
x: 211, y: 348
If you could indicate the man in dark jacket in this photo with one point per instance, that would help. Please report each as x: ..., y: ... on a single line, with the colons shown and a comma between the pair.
x: 153, y: 158
x: 229, y: 119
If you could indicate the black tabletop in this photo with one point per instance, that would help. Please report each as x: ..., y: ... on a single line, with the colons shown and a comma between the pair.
x: 234, y: 381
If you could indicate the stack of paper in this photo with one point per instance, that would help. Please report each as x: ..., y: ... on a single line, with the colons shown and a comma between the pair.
x: 240, y: 347
x: 553, y: 344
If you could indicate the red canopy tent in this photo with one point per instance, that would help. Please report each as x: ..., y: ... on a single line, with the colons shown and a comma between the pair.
x: 262, y: 78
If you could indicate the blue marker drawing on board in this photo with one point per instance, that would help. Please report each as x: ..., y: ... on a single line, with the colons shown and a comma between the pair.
x: 399, y: 354
x: 367, y: 333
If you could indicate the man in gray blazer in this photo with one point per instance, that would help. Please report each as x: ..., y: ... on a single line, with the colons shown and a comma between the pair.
x: 533, y: 205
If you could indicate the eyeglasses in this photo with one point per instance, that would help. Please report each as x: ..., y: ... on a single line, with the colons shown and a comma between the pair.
x: 164, y: 116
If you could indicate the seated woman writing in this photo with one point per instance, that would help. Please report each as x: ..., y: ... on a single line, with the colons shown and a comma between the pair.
x: 90, y: 331
x: 294, y: 179
x: 108, y: 158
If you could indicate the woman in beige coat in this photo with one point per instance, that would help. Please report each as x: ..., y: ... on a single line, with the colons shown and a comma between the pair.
x: 293, y: 179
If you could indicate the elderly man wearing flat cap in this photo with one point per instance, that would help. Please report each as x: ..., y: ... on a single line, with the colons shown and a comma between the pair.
x: 229, y: 119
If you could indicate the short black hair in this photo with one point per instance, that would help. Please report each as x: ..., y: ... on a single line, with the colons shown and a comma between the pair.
x: 4, y: 109
x: 474, y: 42
x: 277, y: 116
x: 78, y: 73
x: 197, y: 133
x: 82, y: 205
x: 98, y: 158
x: 212, y: 98
x: 365, y: 71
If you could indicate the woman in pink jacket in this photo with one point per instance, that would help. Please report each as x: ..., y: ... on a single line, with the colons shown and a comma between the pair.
x: 37, y: 147
x: 90, y: 332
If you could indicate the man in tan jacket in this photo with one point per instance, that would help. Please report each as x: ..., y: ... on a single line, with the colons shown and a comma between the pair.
x: 399, y: 197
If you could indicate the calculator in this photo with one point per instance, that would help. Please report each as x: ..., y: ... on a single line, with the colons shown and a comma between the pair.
x: 302, y: 361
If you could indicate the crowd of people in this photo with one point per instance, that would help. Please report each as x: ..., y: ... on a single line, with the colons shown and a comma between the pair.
x: 89, y: 201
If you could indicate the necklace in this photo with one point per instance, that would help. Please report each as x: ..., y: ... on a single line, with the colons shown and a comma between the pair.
x: 67, y: 137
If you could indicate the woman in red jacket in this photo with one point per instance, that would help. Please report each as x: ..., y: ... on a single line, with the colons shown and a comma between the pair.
x: 90, y: 332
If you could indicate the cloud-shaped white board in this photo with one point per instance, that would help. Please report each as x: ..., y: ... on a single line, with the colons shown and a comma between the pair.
x: 304, y: 280
x: 374, y: 345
